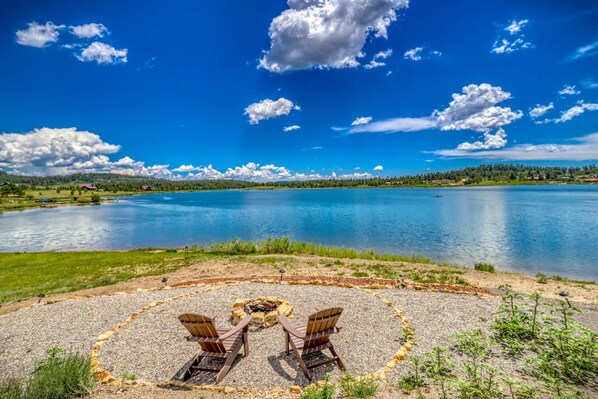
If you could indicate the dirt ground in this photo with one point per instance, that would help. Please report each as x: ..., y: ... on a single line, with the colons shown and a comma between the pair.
x: 269, y: 265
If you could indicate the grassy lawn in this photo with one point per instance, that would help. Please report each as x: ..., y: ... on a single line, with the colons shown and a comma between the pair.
x: 23, y: 275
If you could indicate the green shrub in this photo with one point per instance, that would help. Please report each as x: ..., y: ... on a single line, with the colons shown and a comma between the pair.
x: 314, y: 392
x: 11, y: 389
x: 360, y: 274
x: 95, y: 198
x: 357, y: 387
x: 59, y: 376
x: 484, y: 267
x: 542, y: 278
x: 106, y: 280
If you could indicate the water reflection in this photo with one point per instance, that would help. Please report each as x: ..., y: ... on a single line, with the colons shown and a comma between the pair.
x: 548, y: 228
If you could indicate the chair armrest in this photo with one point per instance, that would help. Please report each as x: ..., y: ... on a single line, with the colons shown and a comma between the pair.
x: 289, y: 327
x: 242, y: 325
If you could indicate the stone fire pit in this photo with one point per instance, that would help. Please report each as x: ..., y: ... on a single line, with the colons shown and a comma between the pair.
x: 264, y: 310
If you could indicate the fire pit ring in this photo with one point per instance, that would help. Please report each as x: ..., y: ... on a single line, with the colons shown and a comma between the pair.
x: 264, y: 310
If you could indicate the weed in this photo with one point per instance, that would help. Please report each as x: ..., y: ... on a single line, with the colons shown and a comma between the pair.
x: 357, y: 387
x: 326, y: 391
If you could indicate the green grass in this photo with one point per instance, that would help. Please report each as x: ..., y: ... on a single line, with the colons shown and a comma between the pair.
x: 484, y: 267
x: 24, y: 275
x: 355, y: 387
x: 286, y: 246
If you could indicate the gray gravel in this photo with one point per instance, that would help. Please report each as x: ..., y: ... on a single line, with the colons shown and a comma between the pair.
x: 72, y: 325
x: 152, y: 347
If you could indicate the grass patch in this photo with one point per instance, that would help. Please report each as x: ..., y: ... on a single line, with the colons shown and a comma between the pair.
x: 354, y: 387
x: 59, y: 376
x: 286, y: 246
x: 326, y: 391
x: 24, y: 275
x: 392, y: 272
x: 485, y: 267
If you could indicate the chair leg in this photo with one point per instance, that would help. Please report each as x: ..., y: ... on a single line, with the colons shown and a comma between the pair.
x: 338, y: 359
x: 301, y: 362
x: 286, y: 343
x: 230, y: 358
x: 245, y: 345
x: 189, y: 372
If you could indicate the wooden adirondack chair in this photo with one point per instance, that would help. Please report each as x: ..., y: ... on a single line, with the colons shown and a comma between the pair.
x: 313, y: 337
x: 214, y: 343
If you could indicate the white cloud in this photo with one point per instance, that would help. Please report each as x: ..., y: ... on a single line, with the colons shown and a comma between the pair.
x: 504, y: 46
x: 291, y: 128
x: 568, y: 90
x: 585, y: 149
x: 514, y: 42
x: 362, y: 120
x: 396, y: 125
x: 87, y: 31
x: 326, y: 33
x: 418, y: 54
x: 413, y: 54
x: 540, y: 110
x: 584, y: 51
x: 378, y: 167
x: 102, y: 53
x: 52, y: 149
x: 497, y: 140
x: 476, y: 109
x: 382, y: 55
x: 267, y: 109
x: 576, y: 111
x: 516, y: 26
x: 39, y: 36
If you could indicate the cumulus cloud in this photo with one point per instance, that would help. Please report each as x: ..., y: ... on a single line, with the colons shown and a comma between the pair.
x: 326, y: 33
x: 584, y: 51
x: 568, y: 90
x: 102, y: 53
x: 49, y: 151
x: 540, y: 110
x: 39, y: 36
x: 497, y: 140
x: 584, y: 149
x: 475, y: 108
x: 291, y: 128
x: 87, y: 31
x: 267, y: 109
x: 514, y: 41
x: 378, y: 167
x: 362, y: 120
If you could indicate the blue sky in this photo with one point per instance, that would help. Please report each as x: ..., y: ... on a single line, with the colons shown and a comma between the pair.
x: 365, y: 87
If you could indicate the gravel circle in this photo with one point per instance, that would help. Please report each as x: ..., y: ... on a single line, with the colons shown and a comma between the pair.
x: 152, y: 346
x: 73, y: 325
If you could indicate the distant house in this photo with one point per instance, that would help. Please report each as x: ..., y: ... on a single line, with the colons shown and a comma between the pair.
x: 146, y: 188
x: 87, y: 187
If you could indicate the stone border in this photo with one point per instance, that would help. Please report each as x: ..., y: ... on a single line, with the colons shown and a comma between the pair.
x: 380, y: 374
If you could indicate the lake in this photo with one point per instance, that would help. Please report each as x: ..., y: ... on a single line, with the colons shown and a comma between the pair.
x: 549, y: 229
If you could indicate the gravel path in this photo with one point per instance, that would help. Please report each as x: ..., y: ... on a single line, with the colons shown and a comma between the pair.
x: 73, y: 325
x: 152, y: 347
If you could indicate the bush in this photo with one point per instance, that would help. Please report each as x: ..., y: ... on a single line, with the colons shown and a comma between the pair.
x: 59, y: 376
x: 95, y: 198
x: 358, y: 387
x: 484, y: 267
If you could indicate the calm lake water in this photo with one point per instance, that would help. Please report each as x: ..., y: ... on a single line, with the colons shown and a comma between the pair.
x: 549, y: 229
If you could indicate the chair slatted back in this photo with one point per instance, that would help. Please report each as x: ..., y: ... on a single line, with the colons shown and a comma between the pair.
x: 203, y: 327
x: 321, y: 322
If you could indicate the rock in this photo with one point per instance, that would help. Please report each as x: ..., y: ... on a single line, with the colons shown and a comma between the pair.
x: 277, y: 390
x: 258, y: 318
x: 239, y: 303
x: 229, y: 390
x: 295, y: 389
